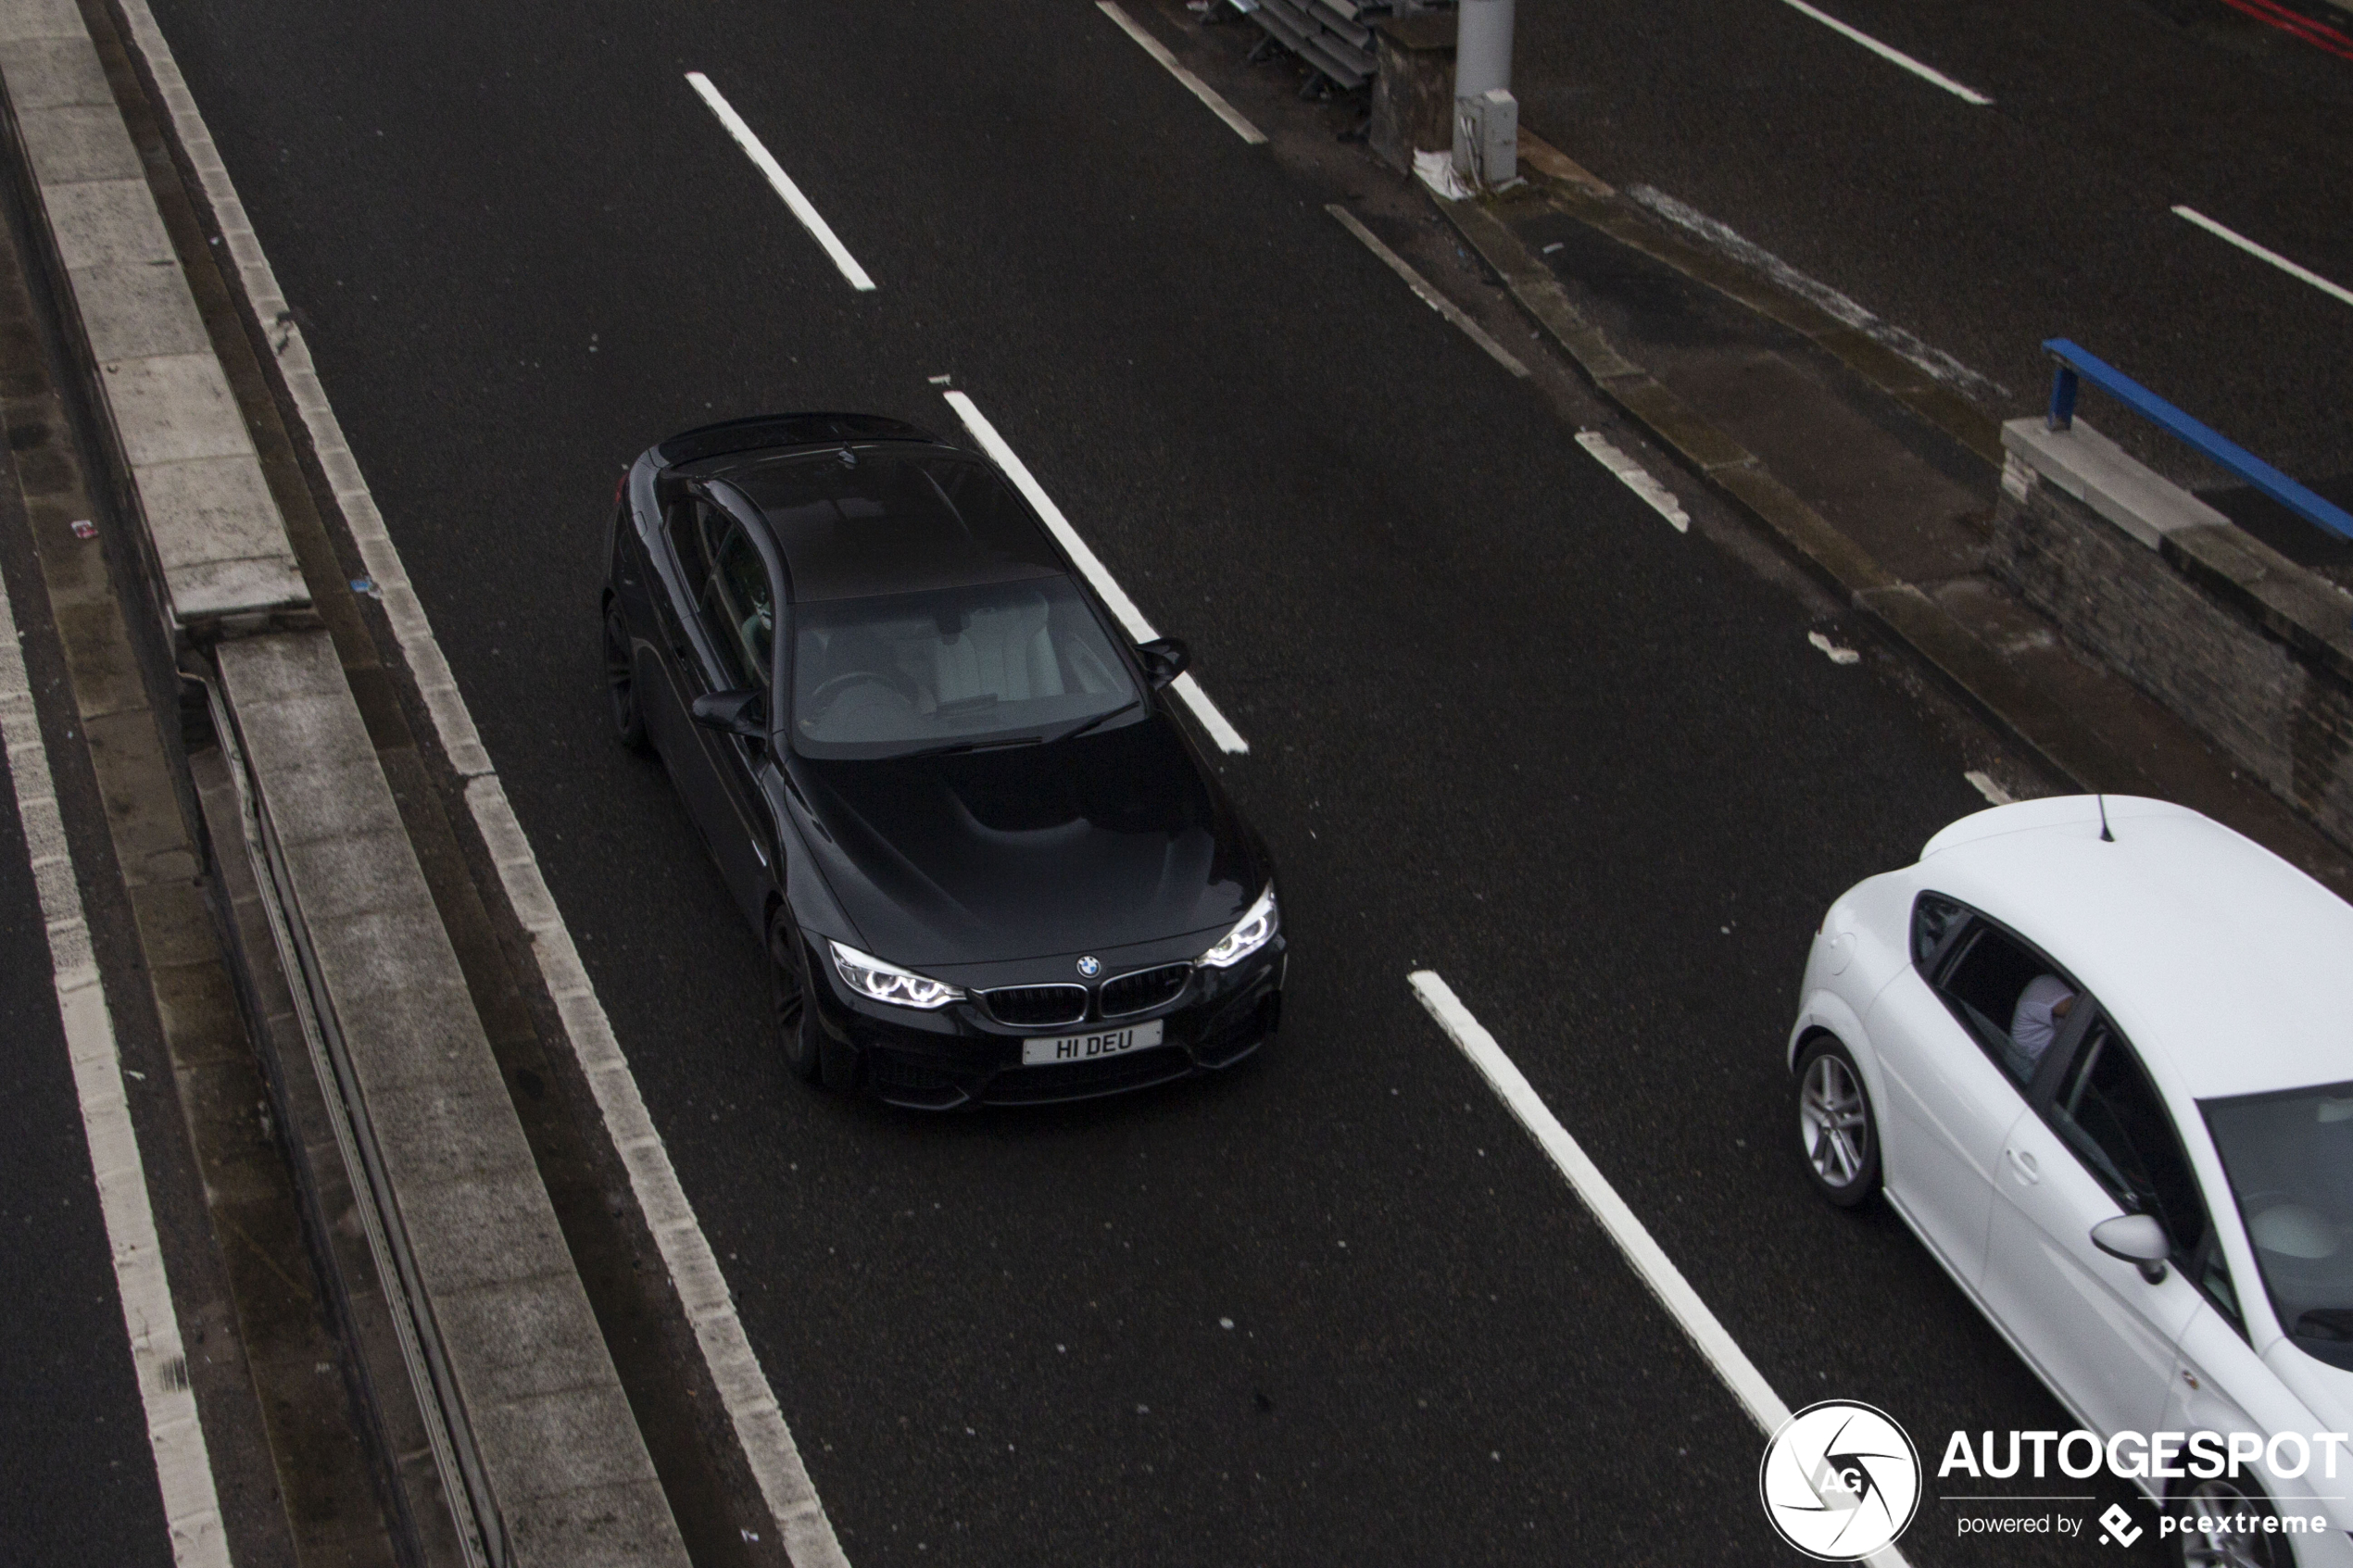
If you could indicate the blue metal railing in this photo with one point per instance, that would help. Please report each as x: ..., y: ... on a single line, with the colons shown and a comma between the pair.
x: 2074, y: 362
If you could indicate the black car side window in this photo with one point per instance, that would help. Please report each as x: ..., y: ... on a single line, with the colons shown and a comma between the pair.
x: 2109, y: 1112
x: 2010, y: 998
x: 684, y: 525
x: 741, y: 611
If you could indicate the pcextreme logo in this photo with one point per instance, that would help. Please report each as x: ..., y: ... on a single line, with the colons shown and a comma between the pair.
x: 1839, y: 1480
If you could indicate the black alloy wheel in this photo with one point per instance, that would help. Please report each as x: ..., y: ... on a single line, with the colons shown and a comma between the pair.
x: 621, y: 688
x: 788, y: 1000
x: 1836, y: 1130
x: 813, y: 1058
x: 2234, y: 1510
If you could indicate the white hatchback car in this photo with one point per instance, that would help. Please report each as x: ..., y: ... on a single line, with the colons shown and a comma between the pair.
x: 2099, y: 1057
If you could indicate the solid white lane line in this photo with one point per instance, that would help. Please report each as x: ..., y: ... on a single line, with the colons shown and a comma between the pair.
x: 744, y: 1389
x: 1229, y: 739
x: 1636, y: 478
x: 810, y: 217
x: 1194, y: 84
x: 183, y: 1470
x: 1666, y: 1281
x: 1897, y: 57
x: 2304, y: 274
x: 1429, y: 295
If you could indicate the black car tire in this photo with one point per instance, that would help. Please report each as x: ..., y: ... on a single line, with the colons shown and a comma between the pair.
x: 1837, y: 1132
x: 620, y: 682
x: 788, y: 1005
x: 2219, y: 1499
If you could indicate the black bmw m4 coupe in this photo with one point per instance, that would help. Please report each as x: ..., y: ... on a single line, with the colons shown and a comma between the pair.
x: 988, y: 864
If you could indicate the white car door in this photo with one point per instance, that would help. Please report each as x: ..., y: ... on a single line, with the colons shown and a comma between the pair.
x: 2099, y: 1332
x: 1954, y: 1086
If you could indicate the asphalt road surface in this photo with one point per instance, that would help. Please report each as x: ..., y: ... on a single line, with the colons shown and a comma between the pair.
x: 1504, y: 723
x: 1987, y: 229
x: 80, y: 1479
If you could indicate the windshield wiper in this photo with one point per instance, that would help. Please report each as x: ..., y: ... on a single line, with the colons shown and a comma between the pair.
x: 1086, y: 724
x: 955, y: 745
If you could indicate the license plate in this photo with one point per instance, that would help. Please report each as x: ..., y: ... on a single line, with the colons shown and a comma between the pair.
x: 1090, y: 1047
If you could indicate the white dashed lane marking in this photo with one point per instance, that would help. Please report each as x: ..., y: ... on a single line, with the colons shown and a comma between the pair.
x: 1229, y: 739
x: 1193, y: 84
x: 1895, y: 57
x: 2232, y: 237
x: 1636, y: 478
x: 1648, y: 1261
x: 811, y: 219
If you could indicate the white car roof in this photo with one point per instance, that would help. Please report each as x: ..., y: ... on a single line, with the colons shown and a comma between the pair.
x: 2210, y: 952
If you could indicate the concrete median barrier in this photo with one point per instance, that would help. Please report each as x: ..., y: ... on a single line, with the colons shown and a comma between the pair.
x: 540, y: 1449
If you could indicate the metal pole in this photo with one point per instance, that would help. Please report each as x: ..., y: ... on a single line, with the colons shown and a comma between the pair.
x: 1482, y: 64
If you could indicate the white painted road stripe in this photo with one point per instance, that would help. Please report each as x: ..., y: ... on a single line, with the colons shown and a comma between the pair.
x: 1636, y: 478
x: 810, y: 217
x: 1897, y: 57
x: 1666, y: 1281
x: 1229, y: 739
x: 1199, y: 89
x: 183, y: 1470
x: 2303, y: 273
x: 1429, y: 295
x: 744, y: 1390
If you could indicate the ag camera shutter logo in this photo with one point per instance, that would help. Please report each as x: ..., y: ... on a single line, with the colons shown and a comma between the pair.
x: 1839, y: 1480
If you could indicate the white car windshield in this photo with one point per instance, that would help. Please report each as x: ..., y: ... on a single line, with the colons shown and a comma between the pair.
x: 889, y: 675
x: 2290, y: 1160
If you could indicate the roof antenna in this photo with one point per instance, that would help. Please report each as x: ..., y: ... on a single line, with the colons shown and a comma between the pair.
x: 2105, y: 837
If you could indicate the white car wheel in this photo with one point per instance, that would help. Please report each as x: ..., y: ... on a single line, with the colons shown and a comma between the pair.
x: 1836, y: 1130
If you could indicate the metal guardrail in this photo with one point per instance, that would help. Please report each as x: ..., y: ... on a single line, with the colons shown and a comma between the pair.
x: 2077, y: 364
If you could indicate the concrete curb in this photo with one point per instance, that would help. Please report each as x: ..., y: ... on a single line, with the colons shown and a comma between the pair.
x: 559, y: 1473
x: 1906, y: 613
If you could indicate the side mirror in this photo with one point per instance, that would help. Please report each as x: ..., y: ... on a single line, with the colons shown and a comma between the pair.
x: 1164, y: 658
x: 2136, y: 1238
x: 736, y: 713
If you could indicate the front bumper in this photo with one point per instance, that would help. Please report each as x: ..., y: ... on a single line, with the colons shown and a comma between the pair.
x: 961, y: 1057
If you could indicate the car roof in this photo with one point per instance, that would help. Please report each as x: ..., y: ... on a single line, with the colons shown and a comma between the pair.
x: 855, y: 520
x: 2210, y: 952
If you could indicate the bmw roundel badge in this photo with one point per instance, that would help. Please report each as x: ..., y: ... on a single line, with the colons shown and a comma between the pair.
x: 1090, y: 966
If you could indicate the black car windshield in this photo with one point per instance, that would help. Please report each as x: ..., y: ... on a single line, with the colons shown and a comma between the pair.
x: 890, y: 674
x: 2290, y: 1160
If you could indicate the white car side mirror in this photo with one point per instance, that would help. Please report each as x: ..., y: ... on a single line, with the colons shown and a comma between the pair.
x: 2136, y: 1238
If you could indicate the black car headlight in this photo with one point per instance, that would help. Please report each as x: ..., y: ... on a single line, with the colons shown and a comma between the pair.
x: 1253, y: 930
x: 871, y: 977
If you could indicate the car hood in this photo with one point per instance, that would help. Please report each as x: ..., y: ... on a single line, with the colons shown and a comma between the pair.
x: 1111, y: 838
